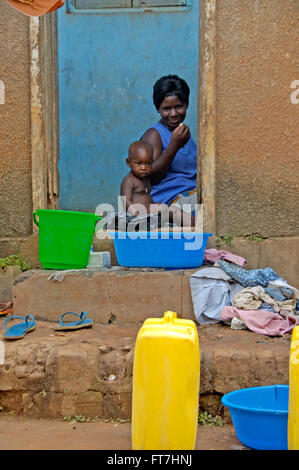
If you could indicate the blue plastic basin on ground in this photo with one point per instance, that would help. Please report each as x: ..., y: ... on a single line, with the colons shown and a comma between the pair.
x: 176, y: 250
x: 260, y: 416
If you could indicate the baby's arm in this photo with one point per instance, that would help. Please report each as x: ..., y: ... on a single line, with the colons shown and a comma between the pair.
x: 126, y: 190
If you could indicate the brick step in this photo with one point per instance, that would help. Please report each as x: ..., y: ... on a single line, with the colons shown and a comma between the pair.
x: 88, y: 372
x: 110, y: 295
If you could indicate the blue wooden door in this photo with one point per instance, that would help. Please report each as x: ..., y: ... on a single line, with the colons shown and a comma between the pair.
x: 110, y: 53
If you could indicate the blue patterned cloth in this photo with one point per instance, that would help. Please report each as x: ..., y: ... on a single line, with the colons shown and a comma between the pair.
x: 265, y: 306
x: 275, y: 293
x: 247, y: 278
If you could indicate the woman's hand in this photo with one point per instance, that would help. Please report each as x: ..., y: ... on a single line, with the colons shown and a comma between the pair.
x: 162, y: 160
x: 180, y: 136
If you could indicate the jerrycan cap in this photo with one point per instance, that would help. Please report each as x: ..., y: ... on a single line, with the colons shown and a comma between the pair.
x: 169, y: 317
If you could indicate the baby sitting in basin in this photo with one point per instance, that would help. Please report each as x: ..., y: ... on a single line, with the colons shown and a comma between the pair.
x: 136, y: 189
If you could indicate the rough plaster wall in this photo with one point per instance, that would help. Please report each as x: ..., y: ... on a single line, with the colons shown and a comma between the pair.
x: 257, y: 125
x: 15, y: 156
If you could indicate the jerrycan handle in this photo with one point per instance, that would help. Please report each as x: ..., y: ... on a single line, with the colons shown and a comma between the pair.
x: 34, y: 218
x: 169, y: 317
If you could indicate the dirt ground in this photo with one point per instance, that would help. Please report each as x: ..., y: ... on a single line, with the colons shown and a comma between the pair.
x: 18, y: 433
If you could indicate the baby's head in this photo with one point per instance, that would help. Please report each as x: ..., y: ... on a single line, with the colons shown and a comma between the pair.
x: 140, y: 159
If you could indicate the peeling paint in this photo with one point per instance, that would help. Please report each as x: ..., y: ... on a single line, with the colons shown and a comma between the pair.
x: 207, y: 110
x: 38, y: 164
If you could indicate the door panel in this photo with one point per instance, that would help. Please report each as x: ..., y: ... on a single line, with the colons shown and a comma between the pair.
x: 90, y: 4
x: 107, y: 65
x: 159, y: 3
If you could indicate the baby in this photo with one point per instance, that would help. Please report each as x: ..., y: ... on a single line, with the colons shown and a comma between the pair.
x: 136, y: 188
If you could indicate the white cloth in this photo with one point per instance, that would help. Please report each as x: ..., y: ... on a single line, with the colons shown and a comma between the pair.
x: 211, y: 290
x: 59, y: 275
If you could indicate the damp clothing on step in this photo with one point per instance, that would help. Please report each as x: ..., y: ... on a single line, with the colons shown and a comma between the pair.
x: 274, y: 285
x: 181, y: 176
x: 211, y: 290
x: 248, y: 278
x: 281, y: 285
x: 260, y: 321
x: 212, y: 255
x: 251, y: 298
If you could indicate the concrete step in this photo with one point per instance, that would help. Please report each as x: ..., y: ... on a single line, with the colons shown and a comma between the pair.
x: 88, y: 372
x: 109, y: 295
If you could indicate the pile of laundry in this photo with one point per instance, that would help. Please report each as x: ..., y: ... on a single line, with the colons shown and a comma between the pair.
x: 259, y: 299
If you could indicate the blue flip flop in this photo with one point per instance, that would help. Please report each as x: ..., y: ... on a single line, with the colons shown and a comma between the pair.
x: 84, y: 322
x: 20, y: 329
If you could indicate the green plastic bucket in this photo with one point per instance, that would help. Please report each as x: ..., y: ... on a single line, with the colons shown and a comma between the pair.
x: 65, y: 238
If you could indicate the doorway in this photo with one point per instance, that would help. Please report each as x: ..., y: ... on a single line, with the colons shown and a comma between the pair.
x: 110, y: 53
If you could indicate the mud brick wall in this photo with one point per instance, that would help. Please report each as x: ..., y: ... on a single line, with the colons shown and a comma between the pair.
x: 257, y: 123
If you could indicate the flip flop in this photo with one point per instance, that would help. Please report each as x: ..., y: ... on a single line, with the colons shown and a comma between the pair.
x: 20, y: 329
x: 84, y: 322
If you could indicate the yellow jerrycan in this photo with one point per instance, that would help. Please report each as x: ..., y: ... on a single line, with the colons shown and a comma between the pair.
x: 293, y: 416
x: 166, y: 375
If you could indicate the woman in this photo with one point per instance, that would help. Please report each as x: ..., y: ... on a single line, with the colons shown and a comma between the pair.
x: 174, y: 151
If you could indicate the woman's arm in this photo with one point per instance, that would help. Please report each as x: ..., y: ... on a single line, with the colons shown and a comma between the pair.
x: 162, y: 160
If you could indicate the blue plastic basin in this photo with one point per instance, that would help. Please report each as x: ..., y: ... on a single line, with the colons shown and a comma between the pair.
x: 174, y: 250
x: 260, y: 416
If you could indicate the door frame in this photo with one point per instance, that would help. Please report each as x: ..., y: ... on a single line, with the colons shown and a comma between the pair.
x: 45, y: 115
x: 206, y: 140
x: 44, y: 111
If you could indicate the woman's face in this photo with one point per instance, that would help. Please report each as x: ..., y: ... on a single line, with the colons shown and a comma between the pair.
x: 172, y: 112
